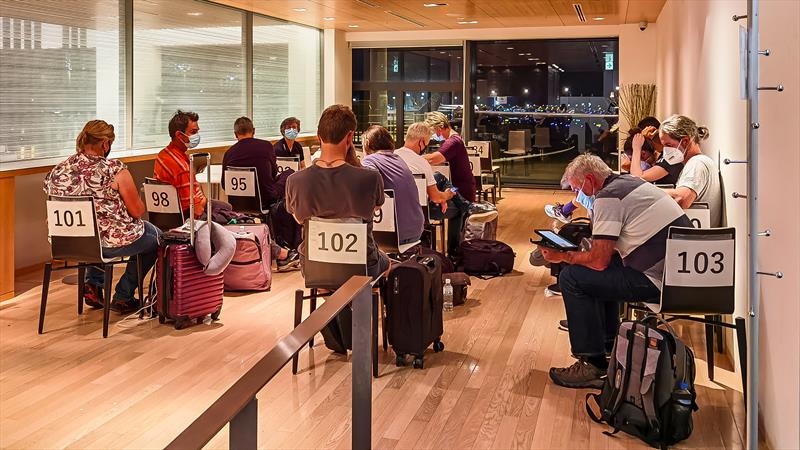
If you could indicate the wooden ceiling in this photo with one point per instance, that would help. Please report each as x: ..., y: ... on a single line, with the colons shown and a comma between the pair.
x: 397, y: 15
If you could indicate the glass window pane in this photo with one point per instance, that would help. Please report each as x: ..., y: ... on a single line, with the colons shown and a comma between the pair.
x: 188, y: 55
x: 286, y: 75
x: 61, y: 64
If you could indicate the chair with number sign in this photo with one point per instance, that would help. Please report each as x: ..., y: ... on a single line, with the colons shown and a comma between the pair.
x: 431, y: 225
x: 75, y: 236
x: 484, y: 150
x: 242, y: 188
x: 163, y: 207
x: 699, y: 280
x: 287, y: 162
x: 443, y: 168
x: 336, y: 250
x: 385, y: 227
x: 477, y: 165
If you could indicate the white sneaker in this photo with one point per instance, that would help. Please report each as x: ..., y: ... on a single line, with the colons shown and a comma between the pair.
x: 483, y: 217
x: 554, y: 211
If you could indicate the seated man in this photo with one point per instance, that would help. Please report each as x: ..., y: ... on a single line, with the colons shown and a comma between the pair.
x: 172, y: 163
x: 699, y: 179
x: 379, y: 147
x: 625, y: 263
x: 417, y: 139
x: 251, y: 152
x: 332, y: 189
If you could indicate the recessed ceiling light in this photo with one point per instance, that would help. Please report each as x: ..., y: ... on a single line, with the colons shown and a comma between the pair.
x: 521, y: 54
x: 433, y: 5
x: 509, y: 48
x: 195, y: 14
x: 442, y: 53
x: 328, y: 18
x: 525, y: 91
x: 599, y: 18
x: 299, y: 9
x: 527, y: 54
x: 531, y: 59
x: 467, y: 22
x: 352, y: 26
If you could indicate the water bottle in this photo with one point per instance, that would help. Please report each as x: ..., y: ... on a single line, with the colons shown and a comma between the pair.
x: 448, y: 295
x: 684, y: 395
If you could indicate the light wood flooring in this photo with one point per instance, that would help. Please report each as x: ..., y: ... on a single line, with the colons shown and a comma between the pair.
x: 489, y: 389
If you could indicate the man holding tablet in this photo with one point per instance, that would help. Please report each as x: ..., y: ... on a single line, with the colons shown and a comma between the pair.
x: 629, y: 232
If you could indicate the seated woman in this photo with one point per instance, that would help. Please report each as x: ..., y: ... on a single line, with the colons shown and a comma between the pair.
x: 667, y: 167
x: 379, y: 148
x: 647, y: 157
x: 119, y: 211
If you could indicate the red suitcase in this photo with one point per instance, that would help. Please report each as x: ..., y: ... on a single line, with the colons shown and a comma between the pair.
x: 185, y: 293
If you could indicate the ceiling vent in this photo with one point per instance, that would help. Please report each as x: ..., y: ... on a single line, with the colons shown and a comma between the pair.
x: 579, y: 12
x: 411, y: 21
x: 368, y: 3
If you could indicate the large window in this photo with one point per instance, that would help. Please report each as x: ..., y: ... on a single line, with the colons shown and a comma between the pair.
x: 286, y: 75
x: 188, y: 55
x: 60, y: 66
x: 397, y: 87
x: 63, y: 63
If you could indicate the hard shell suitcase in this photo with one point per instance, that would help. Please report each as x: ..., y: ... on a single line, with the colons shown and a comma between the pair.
x: 251, y: 267
x: 413, y: 298
x: 185, y: 293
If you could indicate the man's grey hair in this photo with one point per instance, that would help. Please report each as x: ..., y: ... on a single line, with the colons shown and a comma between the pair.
x: 584, y: 165
x: 417, y: 131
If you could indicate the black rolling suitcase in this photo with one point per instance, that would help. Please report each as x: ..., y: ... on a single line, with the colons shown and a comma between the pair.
x: 413, y: 298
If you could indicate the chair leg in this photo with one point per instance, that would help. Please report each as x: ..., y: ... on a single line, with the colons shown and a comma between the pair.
x: 108, y: 275
x: 81, y: 288
x: 313, y: 308
x: 741, y: 343
x: 384, y: 331
x: 719, y: 332
x: 48, y: 269
x: 710, y: 348
x: 375, y: 335
x: 140, y: 280
x: 298, y: 315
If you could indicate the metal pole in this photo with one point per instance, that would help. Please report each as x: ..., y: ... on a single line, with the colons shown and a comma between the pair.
x: 752, y: 209
x: 243, y: 431
x: 362, y: 370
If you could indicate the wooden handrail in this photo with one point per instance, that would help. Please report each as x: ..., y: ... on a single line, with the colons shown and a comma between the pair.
x: 238, y: 396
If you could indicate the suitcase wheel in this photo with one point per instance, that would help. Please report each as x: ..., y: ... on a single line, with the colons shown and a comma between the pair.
x: 418, y: 362
x: 215, y: 314
x: 200, y: 320
x: 161, y: 319
x: 438, y: 346
x: 181, y: 324
x: 400, y: 360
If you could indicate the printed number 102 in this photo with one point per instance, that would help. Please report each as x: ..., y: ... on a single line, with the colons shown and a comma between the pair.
x: 337, y: 242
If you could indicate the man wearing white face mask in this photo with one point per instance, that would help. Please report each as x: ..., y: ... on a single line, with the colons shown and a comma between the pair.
x: 172, y: 163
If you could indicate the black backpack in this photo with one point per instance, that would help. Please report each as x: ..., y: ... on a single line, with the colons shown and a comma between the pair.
x: 649, y: 392
x: 486, y: 259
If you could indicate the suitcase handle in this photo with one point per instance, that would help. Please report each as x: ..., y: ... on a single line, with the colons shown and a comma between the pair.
x: 207, y: 156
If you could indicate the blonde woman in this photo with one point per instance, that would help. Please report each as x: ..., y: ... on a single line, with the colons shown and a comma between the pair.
x: 119, y: 210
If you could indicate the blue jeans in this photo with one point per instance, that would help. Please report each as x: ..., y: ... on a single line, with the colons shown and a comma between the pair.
x: 145, y: 246
x: 456, y: 214
x: 592, y: 300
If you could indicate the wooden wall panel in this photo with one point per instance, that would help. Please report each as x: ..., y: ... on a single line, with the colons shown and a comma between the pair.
x: 6, y: 238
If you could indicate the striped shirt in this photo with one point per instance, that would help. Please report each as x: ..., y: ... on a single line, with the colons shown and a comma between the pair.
x: 637, y: 215
x: 172, y: 166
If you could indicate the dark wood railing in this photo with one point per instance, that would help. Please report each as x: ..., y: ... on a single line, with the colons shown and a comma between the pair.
x: 239, y: 406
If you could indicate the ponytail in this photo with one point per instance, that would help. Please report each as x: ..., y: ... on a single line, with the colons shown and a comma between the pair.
x: 93, y: 133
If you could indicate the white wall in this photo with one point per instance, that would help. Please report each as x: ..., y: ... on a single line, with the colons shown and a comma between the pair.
x: 337, y: 69
x: 698, y: 75
x: 637, y: 61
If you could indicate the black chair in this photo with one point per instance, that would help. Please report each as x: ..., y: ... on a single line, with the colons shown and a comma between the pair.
x: 74, y: 236
x: 337, y: 250
x: 163, y: 206
x: 699, y: 280
x: 241, y: 187
x: 384, y: 227
x: 484, y: 150
x: 431, y: 225
x: 479, y: 165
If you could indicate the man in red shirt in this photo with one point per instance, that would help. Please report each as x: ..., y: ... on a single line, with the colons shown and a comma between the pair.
x: 172, y: 163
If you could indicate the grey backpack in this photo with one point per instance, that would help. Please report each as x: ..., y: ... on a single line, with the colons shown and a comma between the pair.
x: 474, y: 229
x: 649, y: 392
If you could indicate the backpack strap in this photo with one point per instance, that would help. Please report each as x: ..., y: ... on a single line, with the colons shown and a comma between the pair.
x: 589, y: 410
x: 648, y: 398
x: 628, y: 357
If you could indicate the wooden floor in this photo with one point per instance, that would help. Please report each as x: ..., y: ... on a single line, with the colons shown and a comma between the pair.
x: 489, y: 388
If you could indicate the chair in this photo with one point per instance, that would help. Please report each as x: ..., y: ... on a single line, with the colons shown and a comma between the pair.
x: 424, y: 202
x: 287, y: 162
x: 699, y: 214
x: 162, y: 203
x: 443, y: 168
x: 307, y: 156
x: 477, y: 164
x: 337, y: 250
x: 384, y: 227
x: 698, y: 279
x: 241, y: 187
x: 541, y: 140
x: 484, y: 150
x: 74, y: 236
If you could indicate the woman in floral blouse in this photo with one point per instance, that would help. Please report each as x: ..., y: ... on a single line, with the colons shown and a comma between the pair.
x: 119, y: 210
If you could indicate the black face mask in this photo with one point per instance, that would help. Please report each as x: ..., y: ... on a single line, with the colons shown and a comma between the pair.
x: 105, y: 153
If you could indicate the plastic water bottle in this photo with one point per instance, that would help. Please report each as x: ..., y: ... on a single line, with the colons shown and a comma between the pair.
x: 448, y: 295
x: 684, y: 393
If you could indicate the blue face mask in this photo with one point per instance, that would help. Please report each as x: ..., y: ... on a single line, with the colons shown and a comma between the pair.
x: 437, y: 138
x: 587, y: 201
x: 194, y: 140
x: 291, y: 133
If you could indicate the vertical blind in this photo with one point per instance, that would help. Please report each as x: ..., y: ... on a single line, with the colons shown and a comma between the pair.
x: 62, y: 63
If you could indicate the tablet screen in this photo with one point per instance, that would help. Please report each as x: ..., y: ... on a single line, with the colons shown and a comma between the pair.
x: 556, y: 239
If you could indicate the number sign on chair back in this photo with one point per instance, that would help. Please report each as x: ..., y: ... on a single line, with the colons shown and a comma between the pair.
x: 241, y: 187
x: 443, y: 168
x: 698, y: 271
x: 287, y: 163
x: 475, y: 165
x: 385, y: 227
x: 336, y: 250
x: 484, y: 148
x: 163, y: 206
x: 699, y: 214
x: 307, y: 156
x: 422, y: 192
x: 72, y: 226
